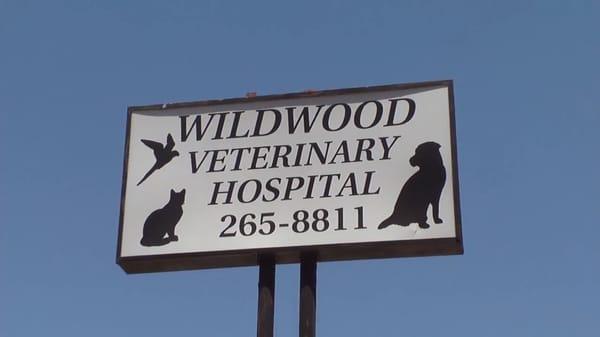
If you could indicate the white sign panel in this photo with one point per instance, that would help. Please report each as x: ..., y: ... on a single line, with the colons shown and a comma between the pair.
x: 351, y: 173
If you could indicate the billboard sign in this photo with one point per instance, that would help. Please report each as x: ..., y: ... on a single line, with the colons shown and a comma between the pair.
x: 349, y: 174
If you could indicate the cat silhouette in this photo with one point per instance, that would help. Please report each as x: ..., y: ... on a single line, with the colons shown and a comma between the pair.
x: 159, y: 228
x: 422, y: 189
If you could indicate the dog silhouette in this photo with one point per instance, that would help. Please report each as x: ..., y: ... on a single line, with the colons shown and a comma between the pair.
x: 421, y: 190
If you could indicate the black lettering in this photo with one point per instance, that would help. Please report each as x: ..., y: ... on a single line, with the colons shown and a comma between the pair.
x: 342, y: 150
x: 216, y: 191
x: 260, y: 119
x: 234, y: 127
x: 290, y: 186
x: 299, y: 152
x: 366, y: 149
x: 215, y: 159
x: 368, y: 179
x: 309, y: 189
x: 279, y: 155
x: 238, y: 158
x: 195, y: 165
x: 327, y: 117
x: 349, y: 183
x: 409, y: 115
x: 243, y: 189
x: 257, y: 155
x: 292, y: 126
x: 197, y: 125
x: 387, y: 147
x: 314, y: 147
x: 274, y: 190
x: 219, y: 132
x: 328, y: 179
x: 359, y: 111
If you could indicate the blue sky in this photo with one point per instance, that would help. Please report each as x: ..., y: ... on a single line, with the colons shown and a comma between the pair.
x: 527, y: 110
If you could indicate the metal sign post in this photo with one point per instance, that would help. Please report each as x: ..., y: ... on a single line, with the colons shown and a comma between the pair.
x: 308, y: 295
x: 266, y: 296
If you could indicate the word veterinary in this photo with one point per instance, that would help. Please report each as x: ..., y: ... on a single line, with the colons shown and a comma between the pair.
x: 301, y: 154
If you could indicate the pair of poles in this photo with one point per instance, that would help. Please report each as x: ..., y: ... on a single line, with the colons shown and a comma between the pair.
x: 266, y: 296
x: 266, y: 291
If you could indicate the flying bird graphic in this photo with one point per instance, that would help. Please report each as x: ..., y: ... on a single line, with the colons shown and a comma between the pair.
x: 163, y: 154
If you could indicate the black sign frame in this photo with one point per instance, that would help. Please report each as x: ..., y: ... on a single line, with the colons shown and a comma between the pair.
x: 327, y: 252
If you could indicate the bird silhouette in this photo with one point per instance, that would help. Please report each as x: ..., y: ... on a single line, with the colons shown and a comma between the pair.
x: 163, y: 154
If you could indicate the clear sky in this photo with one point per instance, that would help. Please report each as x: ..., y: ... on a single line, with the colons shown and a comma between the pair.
x: 527, y: 84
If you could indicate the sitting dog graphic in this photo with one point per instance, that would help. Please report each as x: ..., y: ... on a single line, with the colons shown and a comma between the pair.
x: 421, y: 190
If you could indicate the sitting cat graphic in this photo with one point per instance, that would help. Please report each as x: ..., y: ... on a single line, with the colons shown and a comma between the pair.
x: 159, y: 228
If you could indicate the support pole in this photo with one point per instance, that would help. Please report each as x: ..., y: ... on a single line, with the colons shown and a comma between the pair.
x: 308, y: 295
x: 266, y: 296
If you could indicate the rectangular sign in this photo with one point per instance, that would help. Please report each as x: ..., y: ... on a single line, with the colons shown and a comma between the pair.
x: 349, y: 174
